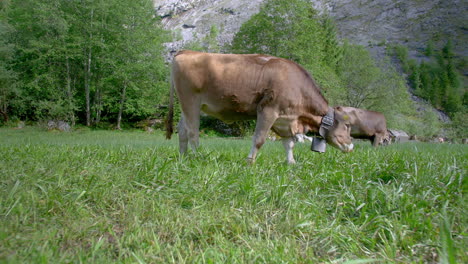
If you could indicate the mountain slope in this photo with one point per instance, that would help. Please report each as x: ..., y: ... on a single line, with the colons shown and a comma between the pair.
x: 366, y: 22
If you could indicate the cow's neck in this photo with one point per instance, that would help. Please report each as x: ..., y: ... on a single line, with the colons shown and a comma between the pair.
x: 313, y: 119
x: 316, y: 104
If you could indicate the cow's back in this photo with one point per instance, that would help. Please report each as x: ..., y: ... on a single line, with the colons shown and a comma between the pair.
x: 233, y: 86
x: 226, y: 84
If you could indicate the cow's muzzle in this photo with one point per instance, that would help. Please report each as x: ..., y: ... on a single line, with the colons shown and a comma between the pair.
x: 346, y: 147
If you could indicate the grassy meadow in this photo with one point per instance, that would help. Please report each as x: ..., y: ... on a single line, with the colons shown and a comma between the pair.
x: 128, y: 197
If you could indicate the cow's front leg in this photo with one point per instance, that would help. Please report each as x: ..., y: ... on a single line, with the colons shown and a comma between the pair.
x: 288, y: 144
x: 378, y: 139
x: 265, y: 120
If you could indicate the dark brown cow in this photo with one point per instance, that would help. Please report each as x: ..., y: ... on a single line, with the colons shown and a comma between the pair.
x: 276, y: 92
x: 368, y: 125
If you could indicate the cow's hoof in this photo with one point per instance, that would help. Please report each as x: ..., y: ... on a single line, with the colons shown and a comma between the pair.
x: 250, y: 161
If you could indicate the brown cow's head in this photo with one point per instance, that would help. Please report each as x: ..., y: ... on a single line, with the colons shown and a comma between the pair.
x: 336, y: 129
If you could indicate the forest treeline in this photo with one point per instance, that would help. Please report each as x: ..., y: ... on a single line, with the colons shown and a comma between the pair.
x: 84, y: 61
x: 96, y: 62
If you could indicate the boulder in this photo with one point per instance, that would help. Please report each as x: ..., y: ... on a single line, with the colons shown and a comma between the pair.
x: 398, y: 136
x: 63, y: 126
x: 58, y: 125
x: 51, y: 125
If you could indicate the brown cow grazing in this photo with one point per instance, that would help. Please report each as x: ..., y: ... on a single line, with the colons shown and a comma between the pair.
x: 278, y: 93
x: 368, y: 125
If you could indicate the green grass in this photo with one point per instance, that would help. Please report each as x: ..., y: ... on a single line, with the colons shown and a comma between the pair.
x: 107, y: 196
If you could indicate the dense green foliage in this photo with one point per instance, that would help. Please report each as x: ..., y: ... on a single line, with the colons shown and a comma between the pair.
x: 347, y: 74
x: 127, y: 197
x: 436, y: 78
x: 8, y: 87
x: 81, y: 60
x: 372, y: 84
x: 459, y: 126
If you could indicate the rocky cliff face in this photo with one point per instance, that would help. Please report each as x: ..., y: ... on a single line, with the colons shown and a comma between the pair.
x: 191, y: 20
x: 411, y: 22
x: 366, y: 22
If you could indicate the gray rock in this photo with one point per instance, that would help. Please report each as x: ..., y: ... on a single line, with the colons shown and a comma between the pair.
x: 63, y: 126
x: 51, y: 125
x: 59, y: 125
x: 398, y: 136
x: 192, y: 20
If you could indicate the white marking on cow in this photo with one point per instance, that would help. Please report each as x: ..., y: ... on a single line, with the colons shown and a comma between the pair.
x: 265, y: 58
x: 301, y: 138
x: 348, y: 148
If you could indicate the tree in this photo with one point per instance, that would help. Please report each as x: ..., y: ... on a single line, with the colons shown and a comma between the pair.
x: 39, y: 48
x: 138, y: 53
x: 416, y: 82
x: 8, y: 82
x: 92, y: 33
x: 429, y: 51
x: 401, y: 53
x: 288, y: 29
x: 211, y: 41
x: 75, y: 57
x: 373, y: 85
x: 332, y: 48
x: 459, y: 126
x: 362, y: 77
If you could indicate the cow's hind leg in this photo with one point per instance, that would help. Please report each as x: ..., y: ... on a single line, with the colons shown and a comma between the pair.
x: 183, y: 137
x: 191, y: 118
x: 265, y: 120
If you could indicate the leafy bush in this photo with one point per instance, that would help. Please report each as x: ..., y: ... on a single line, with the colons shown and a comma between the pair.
x: 459, y: 126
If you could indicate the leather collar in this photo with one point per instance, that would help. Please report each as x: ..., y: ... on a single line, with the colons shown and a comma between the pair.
x: 327, y: 122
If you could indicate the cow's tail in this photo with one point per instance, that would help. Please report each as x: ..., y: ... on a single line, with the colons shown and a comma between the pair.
x: 169, y: 122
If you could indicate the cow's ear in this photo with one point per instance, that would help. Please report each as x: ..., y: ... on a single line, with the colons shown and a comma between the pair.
x: 339, y: 108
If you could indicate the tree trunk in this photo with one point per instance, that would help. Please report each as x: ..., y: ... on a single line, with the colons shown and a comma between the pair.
x: 121, y: 105
x: 5, y: 115
x: 88, y: 75
x: 98, y: 106
x: 70, y: 96
x: 87, y: 84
